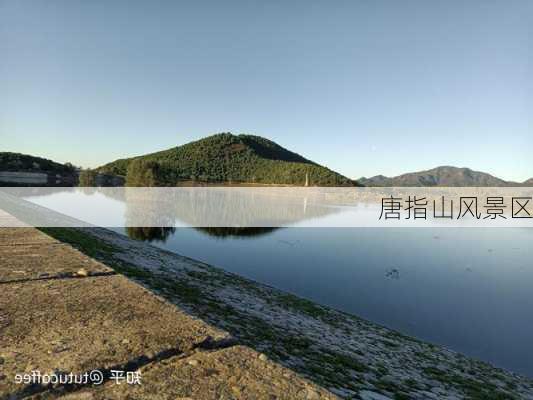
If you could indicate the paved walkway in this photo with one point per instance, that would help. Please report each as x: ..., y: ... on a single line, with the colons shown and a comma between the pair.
x: 61, y: 311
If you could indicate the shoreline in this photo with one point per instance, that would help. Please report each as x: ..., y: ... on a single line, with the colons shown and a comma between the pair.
x: 349, y: 356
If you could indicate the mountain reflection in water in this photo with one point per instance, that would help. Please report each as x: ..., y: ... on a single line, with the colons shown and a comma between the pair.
x: 161, y: 234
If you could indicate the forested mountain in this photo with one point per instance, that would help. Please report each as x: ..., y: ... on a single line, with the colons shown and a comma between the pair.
x: 225, y: 158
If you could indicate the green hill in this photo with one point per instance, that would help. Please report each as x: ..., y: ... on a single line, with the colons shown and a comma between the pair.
x: 17, y: 162
x: 226, y: 158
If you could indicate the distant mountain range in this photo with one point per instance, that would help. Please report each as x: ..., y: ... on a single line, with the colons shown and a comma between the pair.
x: 442, y: 176
x: 227, y: 158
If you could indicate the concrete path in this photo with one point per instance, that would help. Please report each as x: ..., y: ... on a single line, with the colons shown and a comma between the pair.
x: 63, y: 312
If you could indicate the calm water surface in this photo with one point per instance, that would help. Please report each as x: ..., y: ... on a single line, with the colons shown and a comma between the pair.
x: 468, y: 289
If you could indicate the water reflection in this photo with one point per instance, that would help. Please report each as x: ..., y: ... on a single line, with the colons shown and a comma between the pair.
x: 242, y: 233
x: 222, y: 208
x: 161, y: 234
x: 261, y: 207
x: 150, y: 234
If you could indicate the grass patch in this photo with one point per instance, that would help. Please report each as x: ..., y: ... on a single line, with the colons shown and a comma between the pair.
x: 302, y: 305
x: 473, y: 389
x: 82, y: 241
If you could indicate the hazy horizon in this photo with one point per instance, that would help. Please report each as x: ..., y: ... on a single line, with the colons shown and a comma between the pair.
x: 364, y: 88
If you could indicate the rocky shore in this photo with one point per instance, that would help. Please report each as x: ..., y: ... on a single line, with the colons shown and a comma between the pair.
x: 342, y: 353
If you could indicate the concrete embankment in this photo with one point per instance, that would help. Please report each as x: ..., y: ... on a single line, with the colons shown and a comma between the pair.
x: 64, y: 312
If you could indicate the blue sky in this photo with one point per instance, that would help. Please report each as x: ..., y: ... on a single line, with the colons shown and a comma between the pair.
x: 364, y: 87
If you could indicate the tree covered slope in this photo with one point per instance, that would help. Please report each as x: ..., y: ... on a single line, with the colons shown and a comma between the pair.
x: 227, y: 158
x: 17, y: 162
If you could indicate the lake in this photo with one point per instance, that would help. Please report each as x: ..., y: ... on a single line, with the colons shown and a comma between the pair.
x: 469, y: 289
x: 465, y: 288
